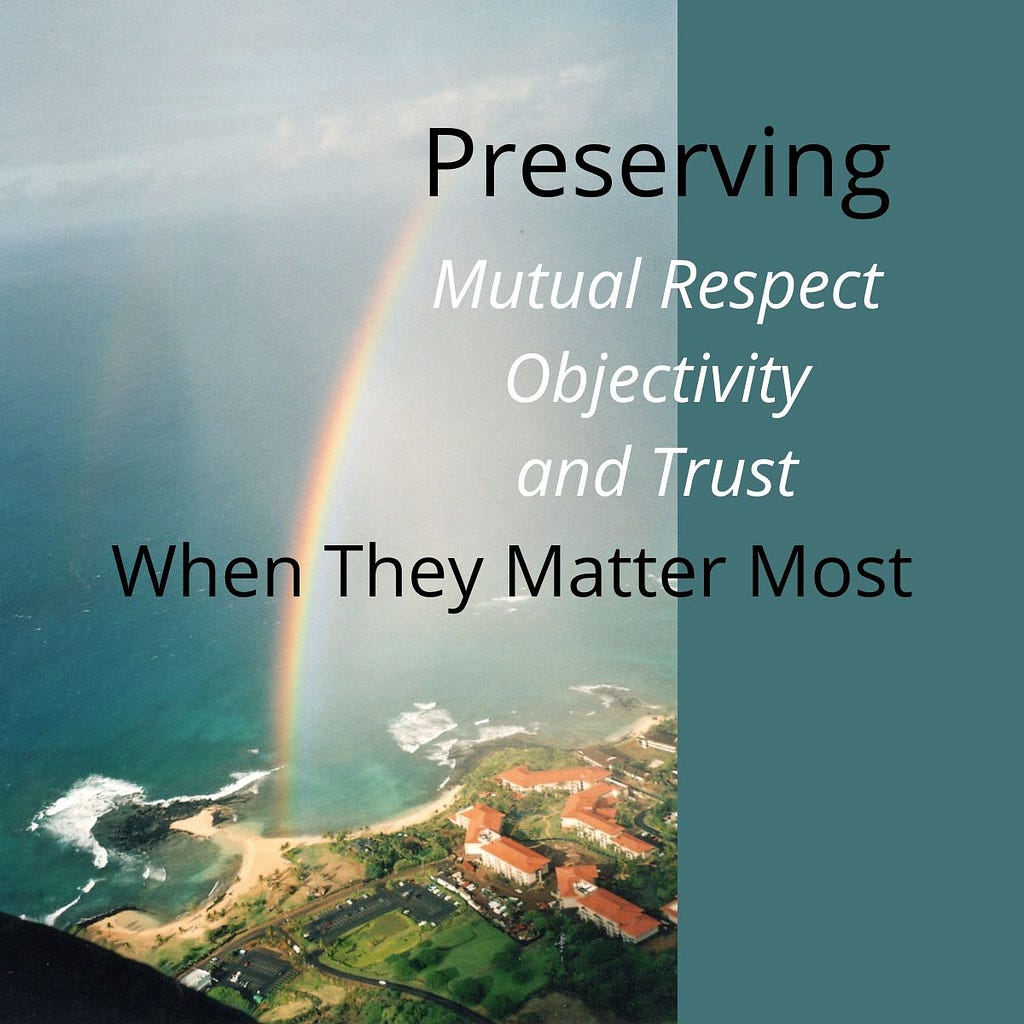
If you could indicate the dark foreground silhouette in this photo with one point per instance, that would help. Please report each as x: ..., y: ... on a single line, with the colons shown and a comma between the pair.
x: 49, y: 976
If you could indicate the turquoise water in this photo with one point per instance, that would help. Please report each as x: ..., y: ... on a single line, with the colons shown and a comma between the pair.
x: 153, y: 392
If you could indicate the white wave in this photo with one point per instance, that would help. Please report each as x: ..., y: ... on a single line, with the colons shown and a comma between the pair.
x: 242, y: 780
x: 151, y: 873
x: 441, y: 752
x: 604, y: 692
x: 51, y: 919
x: 425, y: 707
x: 445, y: 783
x: 499, y: 732
x: 91, y: 884
x: 71, y: 818
x: 444, y: 751
x: 483, y: 721
x: 412, y: 729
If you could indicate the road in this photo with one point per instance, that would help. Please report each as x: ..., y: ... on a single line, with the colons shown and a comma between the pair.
x: 430, y: 997
x: 325, y: 903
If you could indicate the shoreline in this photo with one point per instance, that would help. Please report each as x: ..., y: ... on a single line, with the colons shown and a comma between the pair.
x: 415, y: 816
x: 134, y: 931
x: 643, y: 725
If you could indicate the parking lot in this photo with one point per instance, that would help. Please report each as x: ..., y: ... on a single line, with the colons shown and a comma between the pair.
x: 253, y: 972
x: 421, y: 904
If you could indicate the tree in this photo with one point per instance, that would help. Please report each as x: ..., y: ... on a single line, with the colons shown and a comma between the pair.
x: 401, y: 967
x: 425, y: 956
x: 467, y: 990
x: 230, y: 997
x: 499, y: 1005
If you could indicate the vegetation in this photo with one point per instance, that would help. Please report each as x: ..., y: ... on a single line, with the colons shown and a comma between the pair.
x: 651, y: 883
x: 642, y: 987
x: 390, y: 1008
x: 192, y: 955
x: 230, y: 997
x: 465, y: 958
x: 386, y: 854
x: 381, y: 939
x: 468, y: 990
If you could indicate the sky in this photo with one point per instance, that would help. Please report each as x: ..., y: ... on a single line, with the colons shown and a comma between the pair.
x: 118, y: 111
x: 209, y: 193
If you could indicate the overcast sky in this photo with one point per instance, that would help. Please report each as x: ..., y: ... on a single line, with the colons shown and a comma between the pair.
x: 133, y: 109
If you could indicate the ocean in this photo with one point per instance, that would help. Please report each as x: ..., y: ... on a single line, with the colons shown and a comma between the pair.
x: 158, y: 388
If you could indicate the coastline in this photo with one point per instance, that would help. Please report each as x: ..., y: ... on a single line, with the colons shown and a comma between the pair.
x: 415, y: 816
x: 135, y: 932
x: 640, y: 727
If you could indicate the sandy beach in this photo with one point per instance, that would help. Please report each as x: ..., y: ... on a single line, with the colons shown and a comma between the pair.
x: 134, y: 932
x: 417, y: 815
x: 639, y: 728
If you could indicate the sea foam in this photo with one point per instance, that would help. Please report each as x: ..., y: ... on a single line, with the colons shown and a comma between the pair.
x: 604, y: 692
x: 71, y: 818
x: 412, y: 729
x: 51, y: 919
x: 241, y: 780
x: 443, y: 752
x: 499, y: 732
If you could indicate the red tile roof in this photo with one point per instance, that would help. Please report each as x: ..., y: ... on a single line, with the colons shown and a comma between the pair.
x: 516, y: 855
x: 477, y: 819
x: 526, y: 779
x: 627, y: 917
x: 582, y: 807
x: 568, y: 877
x: 628, y: 841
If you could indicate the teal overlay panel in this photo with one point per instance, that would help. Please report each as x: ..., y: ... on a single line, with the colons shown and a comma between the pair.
x: 850, y: 794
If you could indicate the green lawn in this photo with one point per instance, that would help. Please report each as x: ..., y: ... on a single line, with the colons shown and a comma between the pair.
x: 473, y: 957
x: 543, y: 826
x: 375, y: 941
x: 538, y: 960
x: 453, y: 935
x: 466, y: 944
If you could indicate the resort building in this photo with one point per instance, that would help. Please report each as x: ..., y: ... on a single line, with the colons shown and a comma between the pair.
x: 576, y: 889
x: 522, y: 780
x: 659, y: 739
x: 512, y: 860
x: 500, y: 854
x: 671, y: 911
x: 482, y: 825
x: 616, y: 916
x: 591, y: 812
x: 573, y: 882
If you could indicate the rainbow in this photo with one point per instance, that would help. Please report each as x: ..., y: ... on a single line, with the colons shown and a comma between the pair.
x: 316, y: 499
